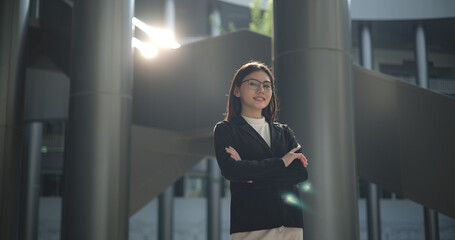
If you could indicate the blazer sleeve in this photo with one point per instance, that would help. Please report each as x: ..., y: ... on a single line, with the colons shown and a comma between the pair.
x: 244, y: 170
x: 293, y: 174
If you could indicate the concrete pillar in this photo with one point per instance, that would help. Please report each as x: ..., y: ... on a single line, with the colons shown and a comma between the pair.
x: 430, y: 216
x: 312, y: 65
x: 373, y: 208
x: 13, y: 32
x: 214, y: 181
x: 33, y: 138
x: 421, y: 56
x: 166, y: 213
x: 96, y: 172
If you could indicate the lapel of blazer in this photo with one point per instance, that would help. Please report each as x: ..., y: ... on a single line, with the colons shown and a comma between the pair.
x: 274, y: 133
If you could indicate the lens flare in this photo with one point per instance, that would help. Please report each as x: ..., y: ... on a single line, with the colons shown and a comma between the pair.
x: 292, y: 200
x: 306, y: 187
x: 147, y: 50
x: 160, y: 37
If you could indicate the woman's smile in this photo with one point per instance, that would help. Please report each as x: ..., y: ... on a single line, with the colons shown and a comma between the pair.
x: 260, y: 99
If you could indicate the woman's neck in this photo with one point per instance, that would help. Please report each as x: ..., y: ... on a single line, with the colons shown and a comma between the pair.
x: 250, y: 114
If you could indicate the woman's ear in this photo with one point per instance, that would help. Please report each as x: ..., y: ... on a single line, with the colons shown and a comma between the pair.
x: 236, y: 91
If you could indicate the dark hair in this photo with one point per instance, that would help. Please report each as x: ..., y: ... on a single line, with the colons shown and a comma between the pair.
x: 234, y: 107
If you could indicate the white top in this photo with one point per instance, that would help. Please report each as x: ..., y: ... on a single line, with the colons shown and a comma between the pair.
x: 261, y: 126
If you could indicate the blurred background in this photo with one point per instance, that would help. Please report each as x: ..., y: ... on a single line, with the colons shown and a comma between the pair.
x: 188, y: 48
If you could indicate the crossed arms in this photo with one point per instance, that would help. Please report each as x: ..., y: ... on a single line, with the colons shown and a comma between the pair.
x: 289, y: 169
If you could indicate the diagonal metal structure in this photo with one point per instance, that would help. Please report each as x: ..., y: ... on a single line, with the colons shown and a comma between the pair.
x: 404, y: 137
x: 159, y: 158
x: 186, y: 89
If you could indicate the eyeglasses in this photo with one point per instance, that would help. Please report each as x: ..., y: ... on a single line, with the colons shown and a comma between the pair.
x: 254, y: 84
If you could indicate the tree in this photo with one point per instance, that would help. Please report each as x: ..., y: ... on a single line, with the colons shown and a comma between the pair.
x: 261, y: 21
x: 214, y: 23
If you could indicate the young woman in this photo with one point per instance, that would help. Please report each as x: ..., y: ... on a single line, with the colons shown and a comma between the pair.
x: 261, y: 159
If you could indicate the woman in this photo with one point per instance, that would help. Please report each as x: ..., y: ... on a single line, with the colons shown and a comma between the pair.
x: 261, y: 159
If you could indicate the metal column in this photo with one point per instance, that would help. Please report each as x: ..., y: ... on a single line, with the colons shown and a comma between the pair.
x: 431, y: 224
x: 421, y: 57
x: 373, y: 212
x: 33, y: 138
x: 430, y: 216
x: 366, y: 50
x: 169, y: 15
x: 373, y: 208
x: 96, y: 174
x: 13, y: 32
x: 216, y: 18
x: 166, y: 213
x: 312, y: 65
x: 213, y: 200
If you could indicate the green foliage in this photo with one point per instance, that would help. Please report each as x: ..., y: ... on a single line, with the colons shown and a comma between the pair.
x: 231, y: 26
x: 213, y: 23
x: 261, y: 22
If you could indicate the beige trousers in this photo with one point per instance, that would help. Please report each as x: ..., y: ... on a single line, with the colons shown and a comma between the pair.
x: 281, y: 233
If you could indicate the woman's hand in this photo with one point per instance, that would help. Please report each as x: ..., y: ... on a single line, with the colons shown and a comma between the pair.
x: 291, y: 155
x: 234, y: 154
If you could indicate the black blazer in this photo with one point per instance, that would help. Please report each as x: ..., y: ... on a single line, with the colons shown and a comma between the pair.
x: 272, y: 200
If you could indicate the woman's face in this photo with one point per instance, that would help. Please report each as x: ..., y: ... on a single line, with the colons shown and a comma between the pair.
x: 254, y: 100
